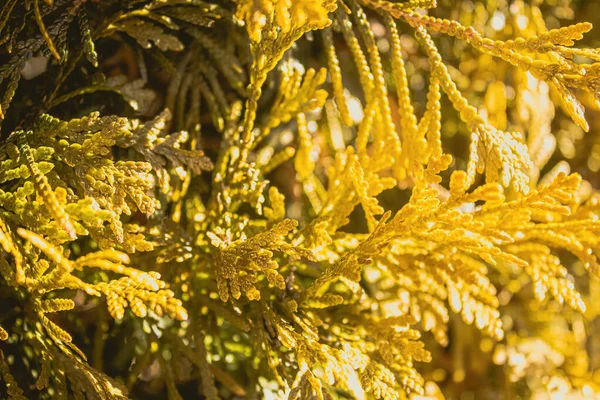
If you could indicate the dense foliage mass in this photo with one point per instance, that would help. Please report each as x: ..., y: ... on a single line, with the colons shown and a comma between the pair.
x: 307, y: 199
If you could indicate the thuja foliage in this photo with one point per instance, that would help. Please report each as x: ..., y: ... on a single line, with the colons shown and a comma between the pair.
x: 311, y: 199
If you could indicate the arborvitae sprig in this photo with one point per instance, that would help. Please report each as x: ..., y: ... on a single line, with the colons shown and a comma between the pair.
x: 295, y: 199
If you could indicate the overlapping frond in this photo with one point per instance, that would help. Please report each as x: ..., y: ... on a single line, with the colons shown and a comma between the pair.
x: 291, y: 199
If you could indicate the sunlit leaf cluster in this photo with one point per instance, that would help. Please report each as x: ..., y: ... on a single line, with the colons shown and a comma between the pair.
x: 311, y: 199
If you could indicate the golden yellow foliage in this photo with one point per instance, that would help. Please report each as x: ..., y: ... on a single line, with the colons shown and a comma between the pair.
x: 310, y: 199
